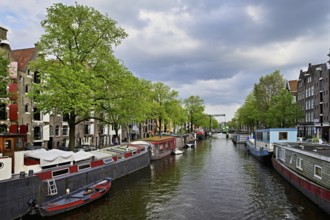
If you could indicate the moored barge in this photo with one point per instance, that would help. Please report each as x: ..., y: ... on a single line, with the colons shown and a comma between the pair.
x: 160, y: 146
x: 307, y: 167
x: 41, y: 175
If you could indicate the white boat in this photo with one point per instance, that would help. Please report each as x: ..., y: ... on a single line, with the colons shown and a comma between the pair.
x: 177, y: 151
x: 190, y: 145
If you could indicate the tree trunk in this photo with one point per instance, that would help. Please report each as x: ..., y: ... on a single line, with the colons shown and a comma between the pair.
x: 116, y: 127
x: 160, y: 127
x: 72, y: 131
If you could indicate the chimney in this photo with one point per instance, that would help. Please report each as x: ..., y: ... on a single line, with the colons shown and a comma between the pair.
x: 3, y: 33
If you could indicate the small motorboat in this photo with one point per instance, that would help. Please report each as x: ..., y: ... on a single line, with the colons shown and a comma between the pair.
x: 190, y: 145
x: 177, y: 151
x: 76, y: 199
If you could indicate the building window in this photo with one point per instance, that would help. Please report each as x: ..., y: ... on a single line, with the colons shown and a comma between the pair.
x: 51, y: 132
x: 26, y: 88
x: 318, y: 171
x: 26, y: 108
x: 299, y: 163
x: 36, y: 114
x: 37, y: 133
x: 87, y: 129
x: 36, y: 77
x: 3, y: 113
x: 57, y: 130
x: 65, y: 130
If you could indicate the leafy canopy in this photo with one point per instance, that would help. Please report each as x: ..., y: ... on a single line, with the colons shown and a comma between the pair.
x: 77, y: 43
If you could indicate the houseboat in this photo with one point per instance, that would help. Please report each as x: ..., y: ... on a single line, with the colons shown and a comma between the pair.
x: 261, y: 144
x: 160, y: 146
x: 200, y: 134
x: 306, y: 166
x: 43, y: 175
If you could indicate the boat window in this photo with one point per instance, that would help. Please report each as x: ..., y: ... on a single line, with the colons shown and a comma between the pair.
x: 259, y: 136
x: 299, y: 163
x: 281, y: 154
x: 84, y: 166
x: 19, y: 143
x: 268, y: 136
x: 107, y: 160
x: 318, y: 171
x: 283, y: 135
x: 292, y: 158
x: 60, y: 172
x: 7, y: 144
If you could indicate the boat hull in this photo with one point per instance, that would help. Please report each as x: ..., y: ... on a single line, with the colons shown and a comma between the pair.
x: 161, y: 155
x: 319, y: 195
x: 76, y: 199
x: 262, y: 155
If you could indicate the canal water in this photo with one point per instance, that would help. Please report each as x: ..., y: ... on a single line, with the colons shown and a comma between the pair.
x: 215, y: 180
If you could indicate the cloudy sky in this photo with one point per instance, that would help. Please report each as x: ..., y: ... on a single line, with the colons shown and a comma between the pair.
x: 216, y: 49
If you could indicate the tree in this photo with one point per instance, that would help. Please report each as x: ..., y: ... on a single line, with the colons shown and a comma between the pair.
x: 194, y: 106
x: 122, y: 97
x: 284, y: 112
x: 164, y: 100
x: 248, y: 114
x: 4, y: 62
x: 178, y: 114
x: 269, y: 105
x: 269, y: 86
x: 76, y: 41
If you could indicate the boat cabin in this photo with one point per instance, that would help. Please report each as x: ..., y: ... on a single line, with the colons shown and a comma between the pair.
x: 11, y: 149
x: 161, y: 146
x: 264, y: 138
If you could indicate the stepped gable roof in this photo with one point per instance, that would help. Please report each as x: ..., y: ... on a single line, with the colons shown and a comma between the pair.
x: 312, y: 68
x: 23, y: 57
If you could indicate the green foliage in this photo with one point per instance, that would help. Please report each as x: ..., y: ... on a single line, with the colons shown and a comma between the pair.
x: 165, y: 104
x: 4, y: 62
x: 268, y: 87
x: 269, y: 105
x: 122, y: 97
x: 283, y: 111
x: 76, y: 45
x: 194, y: 106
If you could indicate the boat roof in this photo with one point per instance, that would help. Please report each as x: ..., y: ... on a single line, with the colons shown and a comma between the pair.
x: 277, y: 129
x: 140, y: 143
x: 158, y: 138
x: 55, y: 156
x: 318, y: 149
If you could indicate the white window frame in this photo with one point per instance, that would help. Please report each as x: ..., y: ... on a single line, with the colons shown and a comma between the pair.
x: 315, y: 174
x: 299, y: 162
x: 281, y: 154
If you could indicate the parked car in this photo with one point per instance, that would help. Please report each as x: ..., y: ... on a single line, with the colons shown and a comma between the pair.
x: 85, y: 147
